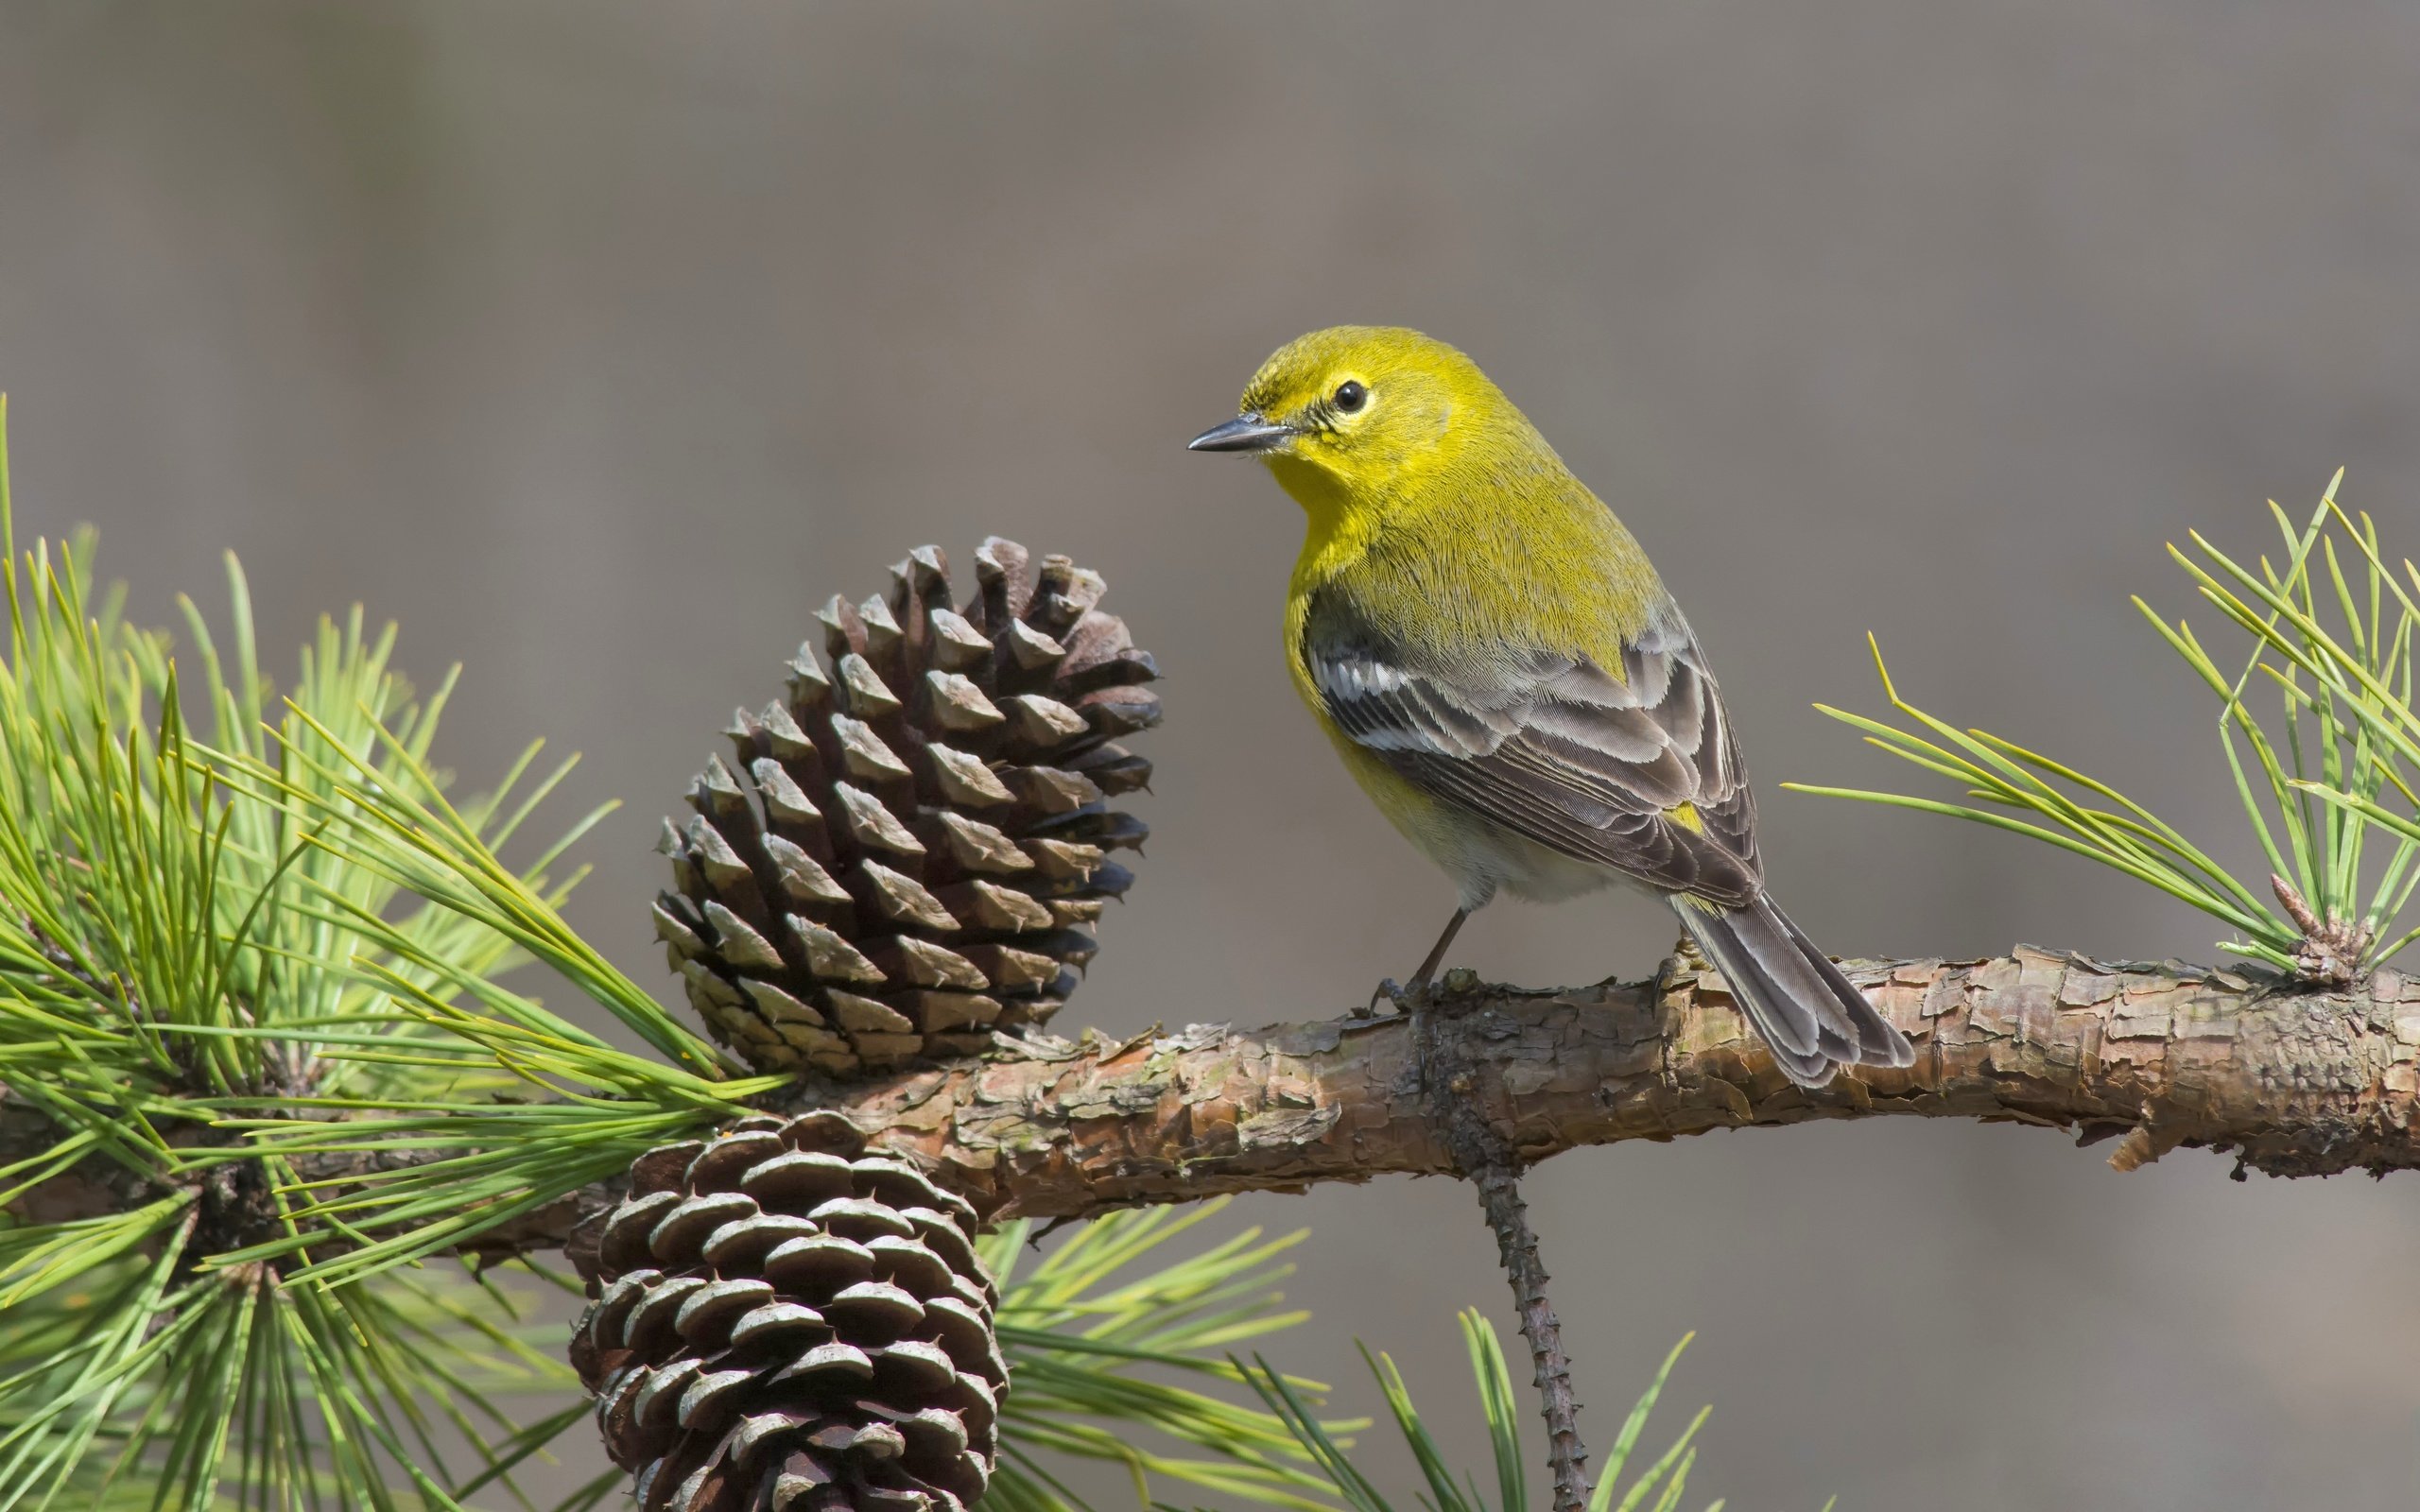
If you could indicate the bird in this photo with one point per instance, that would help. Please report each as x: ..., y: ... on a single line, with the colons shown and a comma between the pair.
x: 1506, y: 676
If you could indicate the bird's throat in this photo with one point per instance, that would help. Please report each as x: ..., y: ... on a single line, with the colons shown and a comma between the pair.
x: 1338, y: 524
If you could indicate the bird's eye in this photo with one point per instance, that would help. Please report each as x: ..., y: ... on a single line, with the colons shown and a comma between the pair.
x: 1351, y: 396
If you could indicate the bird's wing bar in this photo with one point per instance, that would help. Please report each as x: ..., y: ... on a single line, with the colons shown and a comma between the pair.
x: 1555, y: 748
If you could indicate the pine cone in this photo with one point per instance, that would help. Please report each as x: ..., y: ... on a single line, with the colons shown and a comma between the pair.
x: 787, y: 1324
x: 920, y: 840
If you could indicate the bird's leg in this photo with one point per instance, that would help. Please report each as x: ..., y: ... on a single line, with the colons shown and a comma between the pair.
x: 1406, y: 998
x: 1437, y: 953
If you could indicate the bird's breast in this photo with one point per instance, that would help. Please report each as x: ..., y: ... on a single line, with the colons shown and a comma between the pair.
x: 1494, y: 579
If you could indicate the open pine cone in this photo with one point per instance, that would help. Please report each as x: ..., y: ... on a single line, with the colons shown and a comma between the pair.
x: 784, y: 1323
x: 909, y: 852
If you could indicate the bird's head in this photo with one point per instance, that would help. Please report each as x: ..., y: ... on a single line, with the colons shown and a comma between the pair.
x: 1356, y: 416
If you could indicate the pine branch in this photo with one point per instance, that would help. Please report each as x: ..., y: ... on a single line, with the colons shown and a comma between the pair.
x: 2160, y: 1056
x: 2295, y: 1083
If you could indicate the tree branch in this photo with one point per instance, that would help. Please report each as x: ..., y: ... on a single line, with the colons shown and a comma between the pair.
x: 2295, y: 1083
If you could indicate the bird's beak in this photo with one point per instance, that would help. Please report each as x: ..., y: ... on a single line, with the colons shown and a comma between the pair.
x: 1246, y: 432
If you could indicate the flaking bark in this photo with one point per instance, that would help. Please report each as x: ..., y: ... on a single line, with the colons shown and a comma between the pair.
x: 2295, y: 1083
x: 2158, y: 1055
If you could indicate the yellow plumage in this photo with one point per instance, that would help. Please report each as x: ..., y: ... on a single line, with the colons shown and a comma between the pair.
x: 1505, y: 675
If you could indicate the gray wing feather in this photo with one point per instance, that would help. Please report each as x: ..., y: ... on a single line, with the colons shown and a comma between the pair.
x: 1560, y: 749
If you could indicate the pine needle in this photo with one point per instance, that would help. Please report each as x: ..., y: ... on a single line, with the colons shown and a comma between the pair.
x: 2324, y: 784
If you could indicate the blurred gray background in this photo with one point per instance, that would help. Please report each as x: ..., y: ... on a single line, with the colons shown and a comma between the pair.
x: 599, y: 342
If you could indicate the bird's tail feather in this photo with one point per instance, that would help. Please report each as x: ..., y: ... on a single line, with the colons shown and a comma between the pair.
x: 1810, y: 1014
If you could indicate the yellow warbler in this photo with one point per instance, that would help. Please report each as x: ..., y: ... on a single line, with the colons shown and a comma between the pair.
x: 1505, y: 675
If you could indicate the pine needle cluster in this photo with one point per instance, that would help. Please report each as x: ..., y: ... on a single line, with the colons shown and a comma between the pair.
x: 2315, y: 722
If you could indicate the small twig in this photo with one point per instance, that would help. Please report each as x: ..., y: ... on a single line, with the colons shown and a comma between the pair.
x: 1487, y: 1161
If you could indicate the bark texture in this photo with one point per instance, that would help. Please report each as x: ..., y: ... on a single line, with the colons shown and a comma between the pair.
x: 2156, y: 1056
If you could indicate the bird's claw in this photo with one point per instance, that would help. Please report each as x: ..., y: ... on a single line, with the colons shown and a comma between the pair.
x: 1391, y: 993
x: 1423, y: 992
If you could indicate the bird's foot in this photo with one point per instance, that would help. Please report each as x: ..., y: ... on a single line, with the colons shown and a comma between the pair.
x: 1423, y: 992
x: 1395, y: 995
x: 1685, y: 959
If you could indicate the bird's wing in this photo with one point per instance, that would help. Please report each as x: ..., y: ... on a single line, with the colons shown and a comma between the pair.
x: 1555, y: 747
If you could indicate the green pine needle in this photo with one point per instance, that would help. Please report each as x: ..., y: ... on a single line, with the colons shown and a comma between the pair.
x: 1500, y: 1408
x: 1088, y: 1330
x: 2324, y: 784
x: 227, y: 913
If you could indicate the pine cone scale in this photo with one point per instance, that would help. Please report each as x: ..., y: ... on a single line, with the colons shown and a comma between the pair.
x: 918, y: 846
x: 830, y: 1337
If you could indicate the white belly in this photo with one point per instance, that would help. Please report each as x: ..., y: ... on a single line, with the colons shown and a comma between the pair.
x: 1485, y: 858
